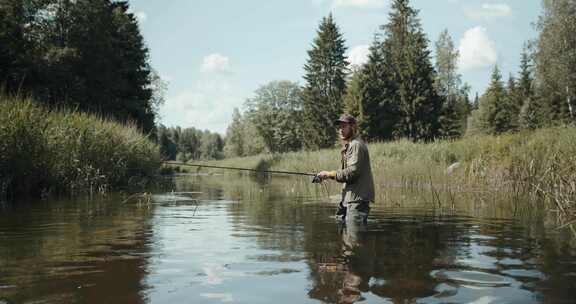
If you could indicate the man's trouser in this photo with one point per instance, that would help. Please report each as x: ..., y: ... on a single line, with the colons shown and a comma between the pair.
x: 354, y: 211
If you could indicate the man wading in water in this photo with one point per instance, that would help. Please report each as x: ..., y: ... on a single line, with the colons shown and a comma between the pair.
x: 355, y: 173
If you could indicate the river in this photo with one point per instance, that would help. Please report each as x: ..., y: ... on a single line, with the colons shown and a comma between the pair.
x: 219, y: 239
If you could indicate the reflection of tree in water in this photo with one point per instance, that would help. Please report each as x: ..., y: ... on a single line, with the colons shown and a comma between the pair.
x: 393, y: 263
x: 99, y: 257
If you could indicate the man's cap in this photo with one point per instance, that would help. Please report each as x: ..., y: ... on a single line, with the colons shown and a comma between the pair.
x: 346, y: 118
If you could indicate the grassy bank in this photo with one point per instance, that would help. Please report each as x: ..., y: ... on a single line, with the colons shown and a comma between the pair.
x: 532, y: 169
x: 44, y: 151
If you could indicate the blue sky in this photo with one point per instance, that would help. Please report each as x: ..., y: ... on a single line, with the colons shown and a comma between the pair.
x: 215, y: 54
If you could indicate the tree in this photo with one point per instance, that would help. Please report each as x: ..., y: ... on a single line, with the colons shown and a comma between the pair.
x: 276, y: 111
x: 234, y: 140
x: 448, y: 84
x: 168, y: 148
x: 556, y: 59
x: 532, y: 113
x: 407, y: 60
x: 211, y: 145
x: 87, y: 55
x: 495, y: 114
x: 353, y: 97
x: 325, y: 75
x: 379, y: 114
x: 17, y: 50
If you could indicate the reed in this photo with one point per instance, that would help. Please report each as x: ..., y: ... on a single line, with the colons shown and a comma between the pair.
x: 66, y: 152
x: 529, y: 169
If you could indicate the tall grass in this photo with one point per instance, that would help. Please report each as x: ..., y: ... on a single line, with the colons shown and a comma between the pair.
x: 44, y: 151
x: 531, y: 169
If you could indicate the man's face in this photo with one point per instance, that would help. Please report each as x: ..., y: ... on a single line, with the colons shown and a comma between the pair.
x: 345, y: 130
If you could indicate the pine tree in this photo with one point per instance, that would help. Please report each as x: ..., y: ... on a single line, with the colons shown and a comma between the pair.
x: 380, y: 114
x: 495, y: 115
x: 513, y: 103
x: 325, y: 76
x: 407, y: 60
x: 532, y: 113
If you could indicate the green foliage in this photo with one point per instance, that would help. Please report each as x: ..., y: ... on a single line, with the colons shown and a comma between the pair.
x: 454, y: 96
x: 86, y: 55
x: 379, y: 113
x: 189, y: 144
x: 534, y: 166
x: 496, y: 113
x: 325, y: 75
x: 556, y: 60
x: 276, y: 112
x: 46, y: 151
x: 353, y: 97
x: 398, y: 82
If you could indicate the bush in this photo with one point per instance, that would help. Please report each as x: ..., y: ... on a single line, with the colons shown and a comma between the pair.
x: 45, y: 151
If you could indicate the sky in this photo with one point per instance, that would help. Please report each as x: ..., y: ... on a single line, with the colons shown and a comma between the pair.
x: 213, y: 55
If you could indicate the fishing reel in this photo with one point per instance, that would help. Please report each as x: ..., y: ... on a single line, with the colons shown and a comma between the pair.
x: 316, y: 179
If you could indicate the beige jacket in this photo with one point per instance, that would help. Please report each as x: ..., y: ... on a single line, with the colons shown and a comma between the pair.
x: 356, y: 173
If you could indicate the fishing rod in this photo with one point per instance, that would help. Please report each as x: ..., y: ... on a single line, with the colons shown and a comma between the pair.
x: 316, y: 179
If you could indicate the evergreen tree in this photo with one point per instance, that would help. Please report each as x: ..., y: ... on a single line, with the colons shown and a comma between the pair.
x: 407, y: 60
x: 325, y: 76
x: 494, y: 112
x: 525, y: 79
x: 556, y: 60
x: 532, y: 113
x: 476, y: 102
x: 380, y: 114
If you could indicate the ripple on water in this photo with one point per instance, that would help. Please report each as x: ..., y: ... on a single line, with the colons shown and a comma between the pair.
x: 472, y: 278
x: 524, y: 273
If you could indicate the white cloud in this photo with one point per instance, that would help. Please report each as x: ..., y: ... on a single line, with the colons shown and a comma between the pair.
x: 360, y: 3
x: 216, y: 63
x: 476, y: 50
x: 358, y: 55
x: 489, y: 10
x: 141, y: 16
x: 207, y: 105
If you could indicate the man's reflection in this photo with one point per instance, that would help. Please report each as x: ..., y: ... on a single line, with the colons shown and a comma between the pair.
x: 353, y: 283
x: 394, y: 264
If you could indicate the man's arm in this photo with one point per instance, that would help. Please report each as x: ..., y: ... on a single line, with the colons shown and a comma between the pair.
x: 348, y: 174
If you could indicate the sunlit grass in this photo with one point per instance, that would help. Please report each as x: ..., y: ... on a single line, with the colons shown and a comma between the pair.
x: 44, y: 151
x: 530, y: 169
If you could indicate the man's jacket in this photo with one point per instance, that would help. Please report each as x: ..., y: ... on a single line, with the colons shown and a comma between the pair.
x: 356, y: 173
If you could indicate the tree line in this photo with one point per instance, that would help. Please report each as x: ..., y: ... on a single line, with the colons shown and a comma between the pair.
x: 189, y: 144
x: 401, y: 93
x: 85, y: 55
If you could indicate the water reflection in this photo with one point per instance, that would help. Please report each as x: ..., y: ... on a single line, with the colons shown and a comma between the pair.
x: 219, y: 239
x: 73, y: 252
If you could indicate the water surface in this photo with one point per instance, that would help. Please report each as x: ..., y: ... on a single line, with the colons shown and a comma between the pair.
x: 238, y: 240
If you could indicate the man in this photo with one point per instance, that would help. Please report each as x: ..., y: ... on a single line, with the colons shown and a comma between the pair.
x: 355, y: 173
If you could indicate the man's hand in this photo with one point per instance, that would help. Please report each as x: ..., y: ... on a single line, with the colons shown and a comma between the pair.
x: 327, y: 174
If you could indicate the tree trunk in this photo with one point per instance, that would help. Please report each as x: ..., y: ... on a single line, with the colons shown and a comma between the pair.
x: 569, y: 101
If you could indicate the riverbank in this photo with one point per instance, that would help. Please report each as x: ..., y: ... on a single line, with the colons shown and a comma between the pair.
x: 532, y: 169
x: 45, y: 152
